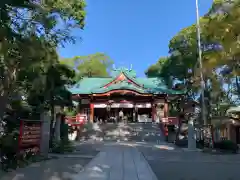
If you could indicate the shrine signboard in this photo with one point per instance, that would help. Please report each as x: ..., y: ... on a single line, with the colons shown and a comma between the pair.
x: 29, y: 136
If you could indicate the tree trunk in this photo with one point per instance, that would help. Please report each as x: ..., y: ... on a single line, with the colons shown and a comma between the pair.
x: 238, y: 85
x: 3, y: 105
x: 57, y: 129
x: 52, y: 125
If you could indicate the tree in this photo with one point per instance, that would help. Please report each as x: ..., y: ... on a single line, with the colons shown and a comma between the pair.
x: 216, y: 45
x: 29, y: 35
x: 220, y: 58
x: 156, y: 70
x: 93, y: 65
x: 224, y: 29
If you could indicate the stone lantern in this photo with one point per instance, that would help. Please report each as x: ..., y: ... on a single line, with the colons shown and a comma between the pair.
x: 189, y: 109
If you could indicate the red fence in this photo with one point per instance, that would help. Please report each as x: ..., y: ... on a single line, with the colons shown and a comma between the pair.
x: 168, y: 121
x: 29, y: 136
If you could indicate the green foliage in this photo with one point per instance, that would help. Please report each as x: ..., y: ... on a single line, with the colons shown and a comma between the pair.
x: 63, y: 146
x: 53, y: 87
x: 70, y: 111
x: 19, y: 17
x: 30, y: 32
x: 94, y: 65
x: 64, y: 130
x: 227, y: 145
x: 220, y: 58
x: 224, y: 29
x: 9, y: 149
x: 157, y: 69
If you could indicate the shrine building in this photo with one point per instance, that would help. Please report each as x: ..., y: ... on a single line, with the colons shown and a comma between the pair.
x: 140, y: 99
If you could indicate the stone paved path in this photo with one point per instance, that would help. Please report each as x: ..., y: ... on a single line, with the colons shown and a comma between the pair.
x: 120, y: 159
x: 117, y: 163
x: 190, y: 165
x: 56, y: 169
x: 131, y: 132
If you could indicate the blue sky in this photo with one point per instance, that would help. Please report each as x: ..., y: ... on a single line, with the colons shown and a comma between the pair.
x: 133, y: 32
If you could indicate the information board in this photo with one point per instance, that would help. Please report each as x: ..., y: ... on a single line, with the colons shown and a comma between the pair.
x: 29, y: 136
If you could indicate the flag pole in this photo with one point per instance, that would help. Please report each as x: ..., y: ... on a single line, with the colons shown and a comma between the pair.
x: 203, y: 111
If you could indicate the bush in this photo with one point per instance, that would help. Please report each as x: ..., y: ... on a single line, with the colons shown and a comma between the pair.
x: 181, y: 143
x: 10, y: 156
x: 184, y: 143
x: 64, y: 131
x: 200, y: 144
x: 62, y: 146
x: 226, y: 145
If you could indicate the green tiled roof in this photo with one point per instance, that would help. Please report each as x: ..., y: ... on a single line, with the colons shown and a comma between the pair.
x: 146, y: 85
x: 87, y: 85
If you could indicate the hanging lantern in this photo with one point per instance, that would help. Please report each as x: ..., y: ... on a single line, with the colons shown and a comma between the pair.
x: 108, y: 107
x: 110, y: 101
x: 136, y: 108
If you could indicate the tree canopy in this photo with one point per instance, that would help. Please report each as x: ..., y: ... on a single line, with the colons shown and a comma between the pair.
x: 30, y: 31
x: 31, y: 76
x: 221, y: 57
x: 93, y: 65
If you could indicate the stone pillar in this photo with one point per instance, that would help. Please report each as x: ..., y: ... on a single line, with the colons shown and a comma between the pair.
x: 153, y: 112
x: 45, y: 133
x: 57, y: 132
x: 57, y: 120
x: 191, y: 135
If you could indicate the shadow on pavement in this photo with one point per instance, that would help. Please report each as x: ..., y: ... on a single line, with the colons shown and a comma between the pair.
x: 132, y: 132
x: 57, y: 169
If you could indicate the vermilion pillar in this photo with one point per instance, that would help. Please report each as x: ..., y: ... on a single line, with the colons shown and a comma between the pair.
x: 166, y: 109
x: 91, y: 112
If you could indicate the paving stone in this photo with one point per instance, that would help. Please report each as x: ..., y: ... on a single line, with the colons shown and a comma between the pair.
x: 117, y: 163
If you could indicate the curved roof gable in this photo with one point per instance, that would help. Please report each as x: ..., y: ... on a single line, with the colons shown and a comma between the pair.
x: 123, y: 79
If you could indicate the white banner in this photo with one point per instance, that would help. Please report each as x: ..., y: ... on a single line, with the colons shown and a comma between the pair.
x: 122, y: 105
x: 145, y: 105
x: 100, y: 105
